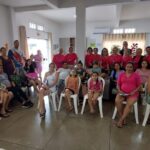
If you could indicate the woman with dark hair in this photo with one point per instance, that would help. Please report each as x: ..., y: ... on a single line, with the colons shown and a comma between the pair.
x: 105, y: 60
x: 115, y: 73
x: 128, y: 84
x: 147, y: 57
x: 144, y: 71
x: 89, y: 58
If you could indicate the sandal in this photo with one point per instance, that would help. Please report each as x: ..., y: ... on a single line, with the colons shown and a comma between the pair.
x: 5, y: 115
x: 119, y: 124
x: 9, y: 110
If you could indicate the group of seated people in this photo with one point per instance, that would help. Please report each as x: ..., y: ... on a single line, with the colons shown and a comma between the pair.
x: 127, y: 76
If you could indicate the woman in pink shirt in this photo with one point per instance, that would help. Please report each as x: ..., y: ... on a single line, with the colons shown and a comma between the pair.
x: 115, y: 57
x: 144, y: 71
x: 59, y: 58
x: 128, y: 85
x: 94, y: 90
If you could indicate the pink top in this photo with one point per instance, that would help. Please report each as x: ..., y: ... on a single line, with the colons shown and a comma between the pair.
x: 115, y: 58
x: 71, y: 58
x: 125, y: 60
x: 144, y: 75
x: 105, y: 62
x: 58, y: 59
x: 128, y: 84
x: 95, y: 85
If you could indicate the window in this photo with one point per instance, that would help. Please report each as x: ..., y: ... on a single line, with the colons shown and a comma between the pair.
x: 129, y: 30
x: 40, y: 28
x: 118, y: 31
x: 32, y: 25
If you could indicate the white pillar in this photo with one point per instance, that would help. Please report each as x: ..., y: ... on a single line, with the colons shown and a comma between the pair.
x: 80, y: 29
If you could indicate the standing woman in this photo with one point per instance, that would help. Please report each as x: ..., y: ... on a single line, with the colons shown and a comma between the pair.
x: 105, y: 60
x: 128, y: 85
x: 115, y: 57
x: 50, y: 81
x: 38, y: 60
x: 89, y: 58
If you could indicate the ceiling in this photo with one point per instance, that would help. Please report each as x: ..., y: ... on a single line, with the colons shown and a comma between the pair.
x: 97, y: 10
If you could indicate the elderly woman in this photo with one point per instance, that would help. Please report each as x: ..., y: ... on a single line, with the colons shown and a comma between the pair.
x: 50, y: 81
x: 128, y: 85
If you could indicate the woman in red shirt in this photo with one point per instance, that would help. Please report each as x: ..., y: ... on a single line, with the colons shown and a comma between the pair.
x: 105, y: 60
x: 89, y: 58
x: 71, y: 58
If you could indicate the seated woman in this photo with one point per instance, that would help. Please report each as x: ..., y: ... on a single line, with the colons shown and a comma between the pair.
x: 113, y: 80
x: 14, y: 90
x: 31, y: 74
x: 94, y: 90
x: 144, y: 71
x: 72, y: 87
x: 128, y: 85
x: 4, y: 101
x: 50, y: 82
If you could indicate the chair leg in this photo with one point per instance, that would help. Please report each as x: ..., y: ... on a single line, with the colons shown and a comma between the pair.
x: 54, y: 101
x: 100, y: 107
x: 75, y: 105
x: 83, y: 106
x: 60, y: 101
x: 114, y: 114
x: 147, y: 112
x: 136, y: 113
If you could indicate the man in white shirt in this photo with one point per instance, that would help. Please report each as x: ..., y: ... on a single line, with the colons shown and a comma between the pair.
x: 63, y: 73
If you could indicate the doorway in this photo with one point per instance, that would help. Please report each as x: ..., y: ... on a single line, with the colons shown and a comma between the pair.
x: 40, y: 44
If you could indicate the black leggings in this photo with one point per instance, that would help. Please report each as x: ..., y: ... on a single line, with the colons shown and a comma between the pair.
x: 18, y: 93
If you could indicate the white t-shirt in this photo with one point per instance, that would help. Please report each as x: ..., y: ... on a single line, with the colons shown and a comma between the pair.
x: 63, y: 73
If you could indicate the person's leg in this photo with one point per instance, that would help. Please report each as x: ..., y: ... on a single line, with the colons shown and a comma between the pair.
x: 127, y: 109
x: 10, y: 97
x: 68, y: 99
x: 5, y: 98
x: 41, y: 101
x: 118, y: 101
x: 90, y: 96
x: 95, y: 97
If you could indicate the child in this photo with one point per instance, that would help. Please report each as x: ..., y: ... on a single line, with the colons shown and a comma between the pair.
x: 94, y: 90
x: 72, y: 87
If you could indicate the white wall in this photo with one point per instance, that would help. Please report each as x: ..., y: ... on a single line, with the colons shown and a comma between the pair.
x: 50, y: 26
x: 5, y: 26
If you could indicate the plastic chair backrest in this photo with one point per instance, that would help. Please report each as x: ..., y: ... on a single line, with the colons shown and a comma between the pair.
x: 79, y: 79
x: 100, y: 79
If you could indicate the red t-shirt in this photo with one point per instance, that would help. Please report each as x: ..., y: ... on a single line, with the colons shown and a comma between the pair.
x: 125, y: 60
x: 97, y: 57
x: 115, y: 58
x: 105, y: 62
x: 58, y: 59
x: 89, y: 60
x: 70, y: 58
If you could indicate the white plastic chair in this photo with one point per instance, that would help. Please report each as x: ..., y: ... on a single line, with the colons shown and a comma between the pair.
x: 74, y: 97
x: 147, y: 112
x: 53, y: 97
x: 135, y: 111
x: 99, y: 99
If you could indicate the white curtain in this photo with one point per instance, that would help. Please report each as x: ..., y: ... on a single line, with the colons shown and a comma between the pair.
x: 111, y: 40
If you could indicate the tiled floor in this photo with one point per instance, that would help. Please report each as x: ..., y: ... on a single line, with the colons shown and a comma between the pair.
x: 24, y: 130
